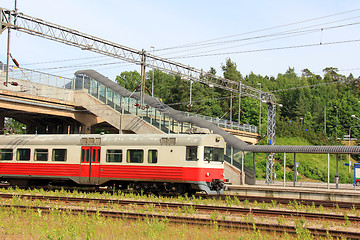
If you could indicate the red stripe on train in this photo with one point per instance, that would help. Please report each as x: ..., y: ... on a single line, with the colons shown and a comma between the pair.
x: 113, y: 171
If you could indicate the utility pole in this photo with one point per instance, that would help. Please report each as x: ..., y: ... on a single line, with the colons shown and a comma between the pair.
x: 325, y: 119
x: 231, y: 106
x: 153, y: 79
x: 259, y: 84
x: 239, y: 115
x: 8, y: 47
x: 142, y: 87
x: 8, y: 55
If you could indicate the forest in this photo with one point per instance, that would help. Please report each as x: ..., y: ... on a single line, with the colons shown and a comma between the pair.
x: 315, y: 108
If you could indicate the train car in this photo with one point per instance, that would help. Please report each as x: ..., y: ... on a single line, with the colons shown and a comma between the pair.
x: 173, y: 163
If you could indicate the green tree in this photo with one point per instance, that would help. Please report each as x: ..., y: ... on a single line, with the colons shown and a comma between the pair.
x: 129, y: 79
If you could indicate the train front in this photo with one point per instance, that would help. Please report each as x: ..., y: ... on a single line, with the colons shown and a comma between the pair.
x: 210, y: 160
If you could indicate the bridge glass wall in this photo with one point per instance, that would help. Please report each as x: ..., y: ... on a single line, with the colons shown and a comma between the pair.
x: 129, y: 105
x: 107, y: 96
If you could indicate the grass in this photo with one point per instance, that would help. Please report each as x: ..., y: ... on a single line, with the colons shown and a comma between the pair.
x: 63, y: 225
x: 16, y: 224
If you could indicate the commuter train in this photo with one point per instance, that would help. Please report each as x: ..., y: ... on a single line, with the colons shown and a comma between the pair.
x: 160, y: 163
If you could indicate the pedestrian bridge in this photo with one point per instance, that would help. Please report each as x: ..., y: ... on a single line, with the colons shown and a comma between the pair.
x: 51, y: 104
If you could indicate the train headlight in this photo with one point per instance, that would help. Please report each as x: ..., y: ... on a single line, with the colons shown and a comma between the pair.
x: 207, y: 174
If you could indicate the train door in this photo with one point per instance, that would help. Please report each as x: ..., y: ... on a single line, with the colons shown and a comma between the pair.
x: 90, y: 165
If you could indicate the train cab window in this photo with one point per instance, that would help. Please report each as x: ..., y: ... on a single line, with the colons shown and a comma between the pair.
x: 6, y: 154
x: 191, y: 153
x: 23, y: 154
x: 113, y: 155
x: 59, y: 155
x: 213, y: 154
x: 135, y: 156
x: 41, y: 155
x: 152, y: 156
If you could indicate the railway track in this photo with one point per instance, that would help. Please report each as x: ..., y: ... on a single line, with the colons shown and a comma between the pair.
x: 206, y: 208
x: 198, y: 220
x: 286, y: 201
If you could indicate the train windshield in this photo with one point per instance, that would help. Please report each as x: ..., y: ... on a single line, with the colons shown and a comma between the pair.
x: 213, y: 154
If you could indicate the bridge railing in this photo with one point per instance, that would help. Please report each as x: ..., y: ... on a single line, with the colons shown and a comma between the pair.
x: 38, y: 83
x: 151, y: 115
x: 227, y: 124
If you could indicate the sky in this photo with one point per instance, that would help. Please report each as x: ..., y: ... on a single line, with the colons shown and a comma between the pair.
x: 260, y: 36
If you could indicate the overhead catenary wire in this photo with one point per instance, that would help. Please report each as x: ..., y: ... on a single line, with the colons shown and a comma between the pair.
x: 278, y: 36
x: 260, y: 30
x: 270, y: 49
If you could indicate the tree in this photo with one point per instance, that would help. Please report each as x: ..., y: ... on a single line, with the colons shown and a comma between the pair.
x: 230, y: 71
x: 306, y: 73
x: 129, y: 79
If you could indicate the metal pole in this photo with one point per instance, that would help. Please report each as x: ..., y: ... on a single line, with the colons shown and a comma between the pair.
x: 242, y: 169
x: 259, y: 110
x: 337, y: 172
x: 190, y: 104
x: 349, y: 144
x: 8, y: 54
x: 143, y: 79
x: 231, y: 106
x: 284, y: 168
x: 328, y: 177
x: 239, y: 115
x: 295, y: 170
x: 122, y: 114
x: 337, y: 119
x: 153, y: 79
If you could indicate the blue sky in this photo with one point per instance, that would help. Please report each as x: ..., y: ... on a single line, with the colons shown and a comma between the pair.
x: 162, y: 24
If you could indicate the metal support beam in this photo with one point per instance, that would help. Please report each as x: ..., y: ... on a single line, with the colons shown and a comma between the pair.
x: 270, y: 141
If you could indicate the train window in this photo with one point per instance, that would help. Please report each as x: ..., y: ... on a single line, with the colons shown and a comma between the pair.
x: 114, y: 155
x: 191, y: 153
x: 83, y: 155
x: 6, y: 154
x: 93, y: 155
x: 87, y: 155
x: 41, y: 155
x: 23, y: 154
x: 59, y: 155
x: 213, y: 154
x: 98, y: 155
x: 152, y: 156
x: 135, y: 156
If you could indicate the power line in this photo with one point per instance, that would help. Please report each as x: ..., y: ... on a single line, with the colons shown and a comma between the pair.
x: 270, y: 49
x: 291, y: 33
x: 62, y: 60
x: 261, y: 30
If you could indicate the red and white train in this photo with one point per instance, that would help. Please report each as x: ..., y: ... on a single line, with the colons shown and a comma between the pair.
x: 175, y: 163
